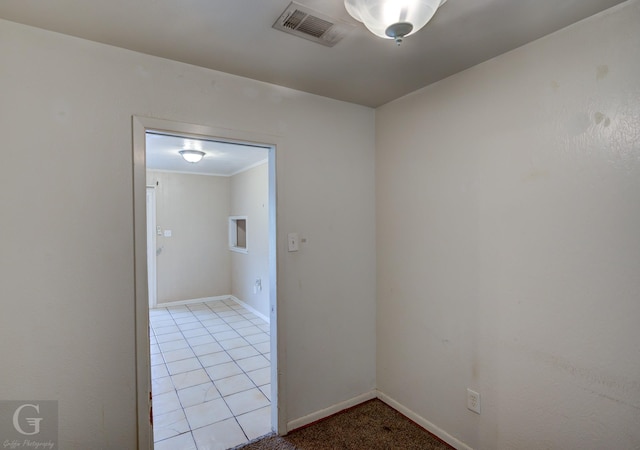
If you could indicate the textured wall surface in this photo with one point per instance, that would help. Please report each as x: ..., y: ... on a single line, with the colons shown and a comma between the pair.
x: 194, y: 262
x: 67, y: 259
x: 508, y: 210
x: 250, y: 197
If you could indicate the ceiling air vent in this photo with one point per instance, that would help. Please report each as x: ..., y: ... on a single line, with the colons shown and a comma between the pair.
x: 308, y: 24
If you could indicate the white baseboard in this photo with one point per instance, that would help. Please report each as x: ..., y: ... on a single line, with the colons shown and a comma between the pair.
x: 193, y: 300
x: 326, y: 412
x: 424, y: 423
x: 250, y: 308
x: 323, y: 413
x: 212, y: 299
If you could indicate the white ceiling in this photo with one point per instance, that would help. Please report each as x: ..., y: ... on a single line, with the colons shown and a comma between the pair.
x: 221, y: 158
x: 235, y: 36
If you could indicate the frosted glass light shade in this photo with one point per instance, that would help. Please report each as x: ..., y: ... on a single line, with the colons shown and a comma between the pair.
x: 192, y: 156
x: 393, y: 19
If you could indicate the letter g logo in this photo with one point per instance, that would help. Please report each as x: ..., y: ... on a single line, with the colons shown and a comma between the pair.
x: 32, y: 421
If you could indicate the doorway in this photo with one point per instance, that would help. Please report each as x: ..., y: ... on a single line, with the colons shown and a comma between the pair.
x: 224, y: 321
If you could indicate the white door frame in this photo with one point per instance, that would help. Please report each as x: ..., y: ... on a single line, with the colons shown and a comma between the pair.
x: 151, y: 247
x: 140, y: 125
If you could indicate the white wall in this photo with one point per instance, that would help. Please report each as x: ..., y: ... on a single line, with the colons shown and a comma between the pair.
x: 250, y: 197
x: 66, y: 265
x: 508, y: 213
x: 194, y: 261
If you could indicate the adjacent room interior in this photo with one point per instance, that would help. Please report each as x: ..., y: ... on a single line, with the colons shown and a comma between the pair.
x: 208, y: 264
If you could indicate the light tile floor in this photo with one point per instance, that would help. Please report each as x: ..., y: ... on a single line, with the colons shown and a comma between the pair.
x: 210, y: 371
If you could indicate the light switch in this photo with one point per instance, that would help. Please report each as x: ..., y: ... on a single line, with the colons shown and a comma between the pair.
x: 167, y: 233
x: 159, y: 231
x: 293, y: 242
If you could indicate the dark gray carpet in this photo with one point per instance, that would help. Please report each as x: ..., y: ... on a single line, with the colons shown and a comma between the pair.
x: 370, y: 426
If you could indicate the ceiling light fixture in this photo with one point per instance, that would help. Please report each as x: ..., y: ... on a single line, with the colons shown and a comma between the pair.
x: 192, y: 156
x: 393, y: 19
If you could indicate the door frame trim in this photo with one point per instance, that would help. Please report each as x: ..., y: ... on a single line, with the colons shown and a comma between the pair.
x: 151, y: 254
x: 140, y: 125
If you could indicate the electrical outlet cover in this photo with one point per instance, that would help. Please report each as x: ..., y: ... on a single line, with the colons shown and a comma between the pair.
x: 473, y: 401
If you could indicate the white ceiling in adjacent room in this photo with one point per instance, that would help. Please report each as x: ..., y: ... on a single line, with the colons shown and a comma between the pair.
x: 221, y: 158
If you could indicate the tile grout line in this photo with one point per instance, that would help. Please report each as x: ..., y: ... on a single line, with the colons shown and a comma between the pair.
x: 235, y: 417
x: 198, y: 318
x: 223, y: 397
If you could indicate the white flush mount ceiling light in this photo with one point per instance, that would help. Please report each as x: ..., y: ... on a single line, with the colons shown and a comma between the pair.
x: 393, y: 19
x: 192, y: 156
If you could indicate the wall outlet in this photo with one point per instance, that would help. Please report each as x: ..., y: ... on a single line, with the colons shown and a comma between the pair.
x: 257, y: 286
x: 473, y: 401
